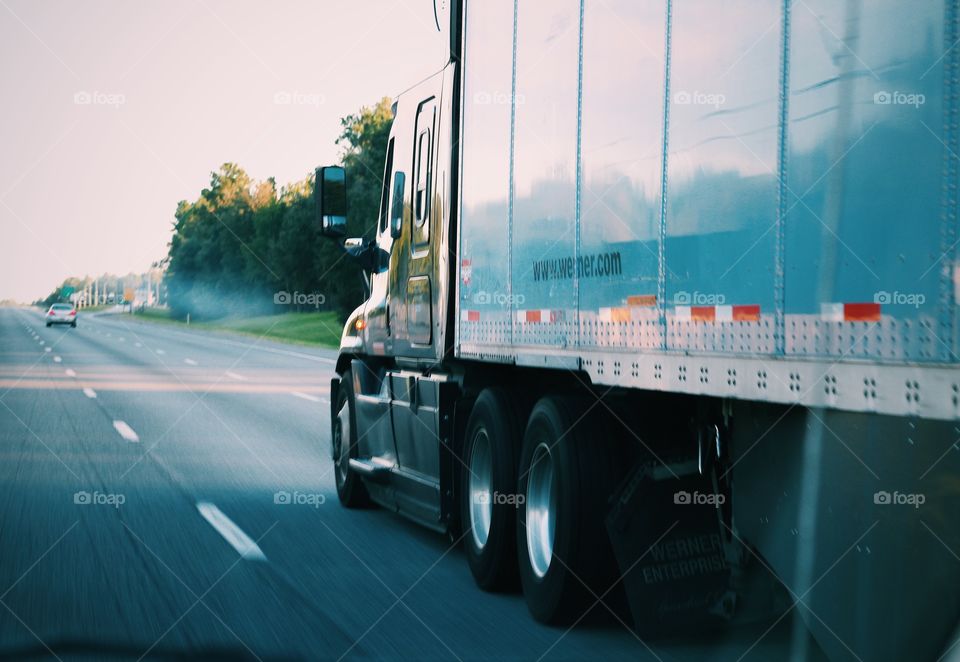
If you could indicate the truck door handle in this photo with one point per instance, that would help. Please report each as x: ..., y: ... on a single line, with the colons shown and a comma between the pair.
x: 412, y: 392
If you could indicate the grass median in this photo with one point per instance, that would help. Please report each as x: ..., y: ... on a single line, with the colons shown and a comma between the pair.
x: 320, y: 329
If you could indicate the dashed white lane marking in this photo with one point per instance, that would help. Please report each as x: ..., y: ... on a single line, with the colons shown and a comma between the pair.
x: 48, y: 349
x: 160, y: 351
x: 233, y: 375
x: 57, y: 359
x: 136, y: 344
x: 232, y: 533
x: 70, y: 373
x: 122, y: 339
x: 41, y: 342
x: 305, y: 396
x: 89, y: 392
x: 190, y: 362
x: 125, y: 431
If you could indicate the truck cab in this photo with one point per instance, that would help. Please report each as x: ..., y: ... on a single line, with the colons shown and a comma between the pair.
x: 393, y: 341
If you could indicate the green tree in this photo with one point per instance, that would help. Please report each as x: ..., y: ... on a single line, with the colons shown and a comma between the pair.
x: 241, y: 241
x: 364, y: 141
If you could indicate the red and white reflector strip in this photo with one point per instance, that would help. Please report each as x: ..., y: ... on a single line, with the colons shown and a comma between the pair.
x: 749, y: 313
x: 639, y: 306
x: 850, y: 312
x: 466, y: 271
x: 615, y: 315
x: 470, y: 315
x: 541, y: 316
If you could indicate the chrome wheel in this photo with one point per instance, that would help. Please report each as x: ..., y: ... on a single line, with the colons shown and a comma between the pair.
x: 341, y: 444
x: 541, y: 503
x: 481, y: 480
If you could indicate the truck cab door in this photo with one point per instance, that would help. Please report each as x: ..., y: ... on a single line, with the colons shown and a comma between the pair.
x: 414, y: 396
x: 412, y: 283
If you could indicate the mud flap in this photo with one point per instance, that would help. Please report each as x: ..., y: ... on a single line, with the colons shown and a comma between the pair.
x: 676, y: 558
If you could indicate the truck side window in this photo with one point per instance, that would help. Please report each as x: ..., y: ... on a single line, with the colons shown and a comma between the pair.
x: 385, y: 196
x: 396, y: 211
x: 424, y: 170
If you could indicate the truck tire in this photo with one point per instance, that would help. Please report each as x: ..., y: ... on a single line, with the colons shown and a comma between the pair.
x: 488, y: 503
x: 566, y: 475
x: 350, y: 488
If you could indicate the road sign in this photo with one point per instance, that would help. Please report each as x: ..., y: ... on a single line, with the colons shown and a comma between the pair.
x: 128, y: 295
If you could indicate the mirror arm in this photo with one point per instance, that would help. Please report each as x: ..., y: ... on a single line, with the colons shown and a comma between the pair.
x: 365, y: 255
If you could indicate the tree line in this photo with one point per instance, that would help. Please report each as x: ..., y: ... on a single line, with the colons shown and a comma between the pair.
x: 245, y: 247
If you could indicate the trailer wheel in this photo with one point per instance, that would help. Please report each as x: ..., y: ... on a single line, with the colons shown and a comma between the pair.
x: 350, y: 488
x: 487, y: 499
x: 566, y: 475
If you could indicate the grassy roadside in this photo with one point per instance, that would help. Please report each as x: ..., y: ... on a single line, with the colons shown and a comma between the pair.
x: 316, y: 329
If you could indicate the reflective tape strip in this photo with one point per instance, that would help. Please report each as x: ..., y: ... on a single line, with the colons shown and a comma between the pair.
x: 703, y: 313
x: 831, y: 312
x: 749, y: 313
x: 746, y: 313
x: 642, y: 300
x: 850, y: 312
x: 543, y: 316
x: 861, y: 312
x: 614, y: 314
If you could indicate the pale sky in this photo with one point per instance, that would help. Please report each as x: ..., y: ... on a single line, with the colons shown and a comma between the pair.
x: 113, y: 111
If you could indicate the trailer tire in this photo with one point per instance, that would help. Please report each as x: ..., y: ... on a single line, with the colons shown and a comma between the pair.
x: 350, y: 488
x: 566, y: 475
x: 487, y: 500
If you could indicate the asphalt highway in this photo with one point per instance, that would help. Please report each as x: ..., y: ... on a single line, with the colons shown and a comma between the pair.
x: 167, y: 493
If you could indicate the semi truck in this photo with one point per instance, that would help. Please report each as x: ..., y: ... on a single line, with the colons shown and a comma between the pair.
x: 663, y: 291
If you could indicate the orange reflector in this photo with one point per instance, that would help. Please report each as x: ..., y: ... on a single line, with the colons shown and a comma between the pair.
x: 642, y: 300
x: 703, y: 313
x: 746, y: 313
x: 861, y: 312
